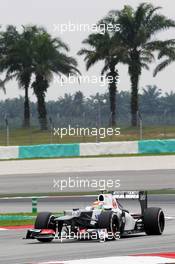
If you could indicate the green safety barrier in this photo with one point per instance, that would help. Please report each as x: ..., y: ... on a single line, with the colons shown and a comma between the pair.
x: 157, y: 146
x: 73, y: 150
x: 49, y: 151
x: 16, y: 217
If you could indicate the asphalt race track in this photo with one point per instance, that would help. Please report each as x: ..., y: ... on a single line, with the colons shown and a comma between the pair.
x: 27, y: 183
x: 16, y: 250
x: 58, y: 204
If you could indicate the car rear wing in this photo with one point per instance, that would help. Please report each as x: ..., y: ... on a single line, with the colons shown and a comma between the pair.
x: 141, y: 196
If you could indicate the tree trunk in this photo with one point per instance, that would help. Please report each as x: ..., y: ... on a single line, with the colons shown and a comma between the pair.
x: 134, y: 99
x: 112, y: 97
x: 26, y: 121
x: 42, y: 113
x: 134, y: 72
x: 40, y: 86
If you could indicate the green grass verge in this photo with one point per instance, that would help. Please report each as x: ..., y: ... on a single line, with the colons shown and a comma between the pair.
x: 163, y: 191
x: 14, y: 222
x: 17, y: 222
x: 47, y: 194
x: 34, y: 136
x: 101, y: 156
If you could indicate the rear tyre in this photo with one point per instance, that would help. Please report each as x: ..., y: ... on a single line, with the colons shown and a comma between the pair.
x: 109, y: 220
x: 154, y: 221
x: 43, y: 221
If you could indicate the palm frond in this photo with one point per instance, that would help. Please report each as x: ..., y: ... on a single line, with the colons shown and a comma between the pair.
x: 105, y: 68
x: 7, y: 79
x: 158, y: 23
x: 144, y: 65
x: 161, y: 66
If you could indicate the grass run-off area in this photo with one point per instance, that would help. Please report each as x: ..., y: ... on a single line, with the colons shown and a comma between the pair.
x: 34, y: 136
x: 17, y: 219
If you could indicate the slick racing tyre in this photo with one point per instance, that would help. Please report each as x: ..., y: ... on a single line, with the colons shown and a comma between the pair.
x: 109, y: 220
x: 43, y: 221
x: 154, y: 221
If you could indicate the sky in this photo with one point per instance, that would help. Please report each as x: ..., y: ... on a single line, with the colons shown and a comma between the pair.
x: 53, y: 13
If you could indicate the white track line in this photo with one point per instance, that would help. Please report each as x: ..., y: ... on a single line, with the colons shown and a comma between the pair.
x: 43, y: 197
x: 114, y: 260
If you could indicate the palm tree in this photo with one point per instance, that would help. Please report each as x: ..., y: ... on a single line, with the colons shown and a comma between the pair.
x: 150, y: 99
x: 18, y: 61
x: 137, y: 29
x: 78, y: 101
x: 24, y: 66
x: 6, y: 42
x: 168, y: 101
x: 102, y: 47
x: 151, y: 92
x: 49, y: 59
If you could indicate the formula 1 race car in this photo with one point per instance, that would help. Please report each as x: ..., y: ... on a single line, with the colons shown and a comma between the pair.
x: 105, y: 219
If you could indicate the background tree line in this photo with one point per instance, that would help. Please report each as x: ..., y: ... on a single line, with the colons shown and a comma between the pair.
x: 155, y: 108
x: 32, y: 56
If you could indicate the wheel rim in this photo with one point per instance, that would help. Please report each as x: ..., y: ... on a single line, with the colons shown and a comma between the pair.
x: 114, y: 226
x: 51, y: 223
x: 161, y: 221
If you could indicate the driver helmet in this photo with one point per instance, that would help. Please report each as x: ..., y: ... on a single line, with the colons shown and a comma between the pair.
x: 98, y: 205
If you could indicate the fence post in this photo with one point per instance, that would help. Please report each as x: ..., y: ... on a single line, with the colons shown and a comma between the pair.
x: 7, y: 131
x: 139, y: 118
x: 51, y: 130
x: 165, y: 121
x: 34, y: 205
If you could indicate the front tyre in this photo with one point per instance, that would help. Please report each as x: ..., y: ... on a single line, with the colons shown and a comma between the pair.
x: 109, y: 221
x: 43, y: 221
x: 154, y: 221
